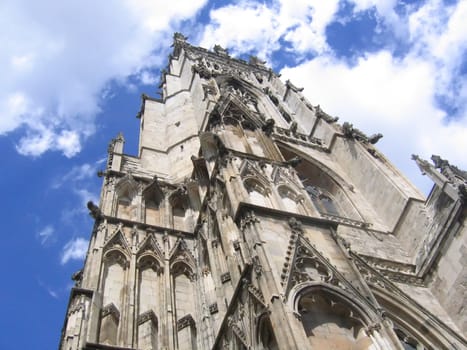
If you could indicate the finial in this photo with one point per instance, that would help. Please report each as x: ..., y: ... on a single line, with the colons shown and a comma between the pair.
x: 220, y: 50
x: 180, y: 37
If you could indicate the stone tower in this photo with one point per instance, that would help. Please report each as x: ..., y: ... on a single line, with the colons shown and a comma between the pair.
x: 251, y: 219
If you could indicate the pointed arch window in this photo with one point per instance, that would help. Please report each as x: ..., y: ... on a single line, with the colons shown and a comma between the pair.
x: 328, y: 321
x: 154, y: 204
x: 183, y: 293
x: 126, y: 207
x: 181, y: 210
x: 290, y: 199
x: 258, y: 192
x: 115, y: 264
x: 149, y: 287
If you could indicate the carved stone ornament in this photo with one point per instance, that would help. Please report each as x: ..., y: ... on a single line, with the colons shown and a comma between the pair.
x: 225, y: 277
x: 112, y: 310
x: 185, y: 321
x: 77, y: 277
x: 323, y: 115
x: 257, y: 267
x: 238, y: 331
x: 94, y: 210
x: 268, y: 127
x: 254, y: 291
x: 117, y: 241
x: 220, y: 50
x: 146, y: 316
x: 271, y: 96
x: 353, y: 133
x: 213, y: 308
x: 203, y: 71
x: 149, y: 262
x: 117, y: 257
x: 248, y: 219
x: 292, y: 87
x: 295, y: 225
x: 151, y: 246
x: 256, y: 61
x: 180, y: 37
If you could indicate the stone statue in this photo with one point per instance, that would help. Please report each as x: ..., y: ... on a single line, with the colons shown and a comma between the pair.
x: 94, y: 210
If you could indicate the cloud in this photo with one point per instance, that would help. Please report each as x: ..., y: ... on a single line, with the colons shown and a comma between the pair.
x: 400, y: 96
x: 301, y: 24
x: 57, y: 59
x: 74, y: 250
x: 82, y: 182
x: 78, y: 173
x: 53, y: 293
x: 46, y: 234
x: 86, y: 196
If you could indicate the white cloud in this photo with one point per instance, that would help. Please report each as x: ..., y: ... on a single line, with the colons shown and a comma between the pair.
x: 300, y: 23
x: 74, y: 250
x: 57, y: 58
x: 82, y: 182
x: 260, y: 34
x: 398, y: 96
x: 40, y: 139
x: 36, y: 142
x: 86, y: 196
x: 147, y: 78
x: 308, y: 21
x: 46, y: 234
x: 50, y: 291
x: 78, y: 173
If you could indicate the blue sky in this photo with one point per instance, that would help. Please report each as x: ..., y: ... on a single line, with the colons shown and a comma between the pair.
x: 72, y: 74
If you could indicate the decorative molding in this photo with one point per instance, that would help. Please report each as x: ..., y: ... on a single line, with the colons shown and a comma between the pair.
x: 248, y: 219
x: 353, y: 133
x: 185, y: 321
x: 117, y: 240
x: 213, y: 309
x: 238, y: 331
x: 150, y: 246
x: 112, y: 310
x: 254, y: 291
x: 146, y: 316
x: 225, y: 277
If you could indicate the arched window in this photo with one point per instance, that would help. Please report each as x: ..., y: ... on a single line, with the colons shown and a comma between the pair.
x: 149, y: 287
x: 290, y: 199
x: 331, y: 323
x: 258, y: 192
x: 326, y: 188
x: 410, y: 323
x: 154, y: 212
x: 183, y: 294
x: 114, y: 276
x: 181, y: 211
x: 154, y: 204
x: 126, y: 191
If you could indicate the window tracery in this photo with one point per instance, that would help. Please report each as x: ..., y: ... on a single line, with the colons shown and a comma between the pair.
x: 332, y: 323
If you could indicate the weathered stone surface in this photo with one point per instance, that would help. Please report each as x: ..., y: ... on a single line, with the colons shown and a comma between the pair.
x: 251, y: 219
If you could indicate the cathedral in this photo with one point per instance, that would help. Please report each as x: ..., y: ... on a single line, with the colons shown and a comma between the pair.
x: 252, y: 219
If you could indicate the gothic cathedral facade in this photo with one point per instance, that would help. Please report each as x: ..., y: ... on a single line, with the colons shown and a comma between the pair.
x: 251, y: 219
